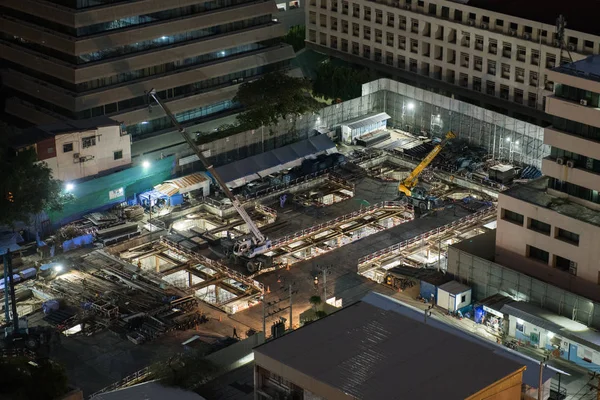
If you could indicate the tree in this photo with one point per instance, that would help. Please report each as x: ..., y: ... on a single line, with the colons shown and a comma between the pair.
x: 315, y: 301
x: 295, y: 37
x: 273, y: 97
x: 26, y: 186
x: 338, y: 82
x: 25, y: 380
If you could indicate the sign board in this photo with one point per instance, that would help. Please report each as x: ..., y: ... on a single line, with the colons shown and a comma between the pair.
x: 115, y: 194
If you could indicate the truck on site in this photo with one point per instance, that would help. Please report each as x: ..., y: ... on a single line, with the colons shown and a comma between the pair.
x: 249, y: 249
x: 408, y: 189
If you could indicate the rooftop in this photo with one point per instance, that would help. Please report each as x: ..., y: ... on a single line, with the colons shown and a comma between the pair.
x: 41, y: 132
x: 356, y: 350
x: 588, y: 68
x: 580, y: 14
x: 535, y: 192
x: 557, y: 324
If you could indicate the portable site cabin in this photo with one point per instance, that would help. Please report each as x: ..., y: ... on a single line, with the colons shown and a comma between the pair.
x: 357, y: 127
x: 453, y: 296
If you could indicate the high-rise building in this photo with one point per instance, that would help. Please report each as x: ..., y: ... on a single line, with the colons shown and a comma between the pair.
x: 493, y: 53
x: 550, y: 227
x: 76, y: 59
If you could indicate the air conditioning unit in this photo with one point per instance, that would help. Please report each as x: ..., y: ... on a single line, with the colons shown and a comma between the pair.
x: 527, y: 36
x: 570, y: 163
x: 82, y: 159
x: 75, y: 155
x: 484, y: 25
x: 513, y: 33
x: 560, y: 161
x: 572, y: 47
x: 583, y: 102
x: 408, y: 6
x: 556, y: 43
x: 471, y: 22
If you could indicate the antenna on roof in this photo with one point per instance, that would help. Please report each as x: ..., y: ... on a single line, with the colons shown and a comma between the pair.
x: 561, y: 24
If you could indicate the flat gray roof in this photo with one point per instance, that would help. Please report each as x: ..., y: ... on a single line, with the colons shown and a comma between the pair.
x: 366, y: 120
x: 375, y: 352
x: 588, y: 68
x: 454, y: 287
x: 535, y: 192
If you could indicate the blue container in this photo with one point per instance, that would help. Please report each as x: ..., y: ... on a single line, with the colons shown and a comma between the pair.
x: 16, y: 278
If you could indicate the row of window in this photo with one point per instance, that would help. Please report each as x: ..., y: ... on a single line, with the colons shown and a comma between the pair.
x: 576, y: 128
x: 558, y: 262
x: 492, y: 46
x: 158, y: 42
x: 576, y: 94
x: 540, y: 227
x: 484, y: 22
x: 126, y: 22
x: 126, y: 105
x: 574, y: 190
x: 148, y: 127
x: 90, y: 141
x: 489, y: 87
x: 579, y: 160
x: 79, y: 4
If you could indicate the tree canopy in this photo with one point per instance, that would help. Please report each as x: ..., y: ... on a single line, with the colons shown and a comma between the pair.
x: 273, y: 97
x: 339, y: 82
x: 26, y: 186
x: 295, y: 37
x: 24, y: 380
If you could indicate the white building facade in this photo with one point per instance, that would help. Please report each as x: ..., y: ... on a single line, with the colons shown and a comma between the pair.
x: 554, y: 222
x: 471, y: 47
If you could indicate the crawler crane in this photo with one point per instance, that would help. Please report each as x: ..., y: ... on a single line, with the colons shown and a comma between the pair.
x: 250, y: 248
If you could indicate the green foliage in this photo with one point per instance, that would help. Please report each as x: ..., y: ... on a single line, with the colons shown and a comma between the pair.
x: 22, y: 380
x: 315, y: 300
x: 273, y: 97
x: 337, y: 82
x: 295, y: 37
x: 26, y: 186
x: 320, y: 314
x: 186, y: 371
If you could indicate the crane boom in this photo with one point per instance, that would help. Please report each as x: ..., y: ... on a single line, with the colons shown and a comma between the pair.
x: 411, y: 180
x: 260, y: 239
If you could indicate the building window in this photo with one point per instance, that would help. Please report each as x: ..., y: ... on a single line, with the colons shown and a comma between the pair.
x: 463, y: 298
x: 520, y: 326
x: 538, y: 254
x: 67, y: 147
x: 88, y: 141
x: 512, y: 216
x: 117, y: 155
x: 566, y: 265
x: 567, y: 236
x: 539, y: 226
x: 50, y: 150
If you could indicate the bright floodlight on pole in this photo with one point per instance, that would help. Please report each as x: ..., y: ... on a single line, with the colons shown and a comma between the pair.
x: 146, y: 164
x: 411, y: 106
x: 69, y: 187
x: 58, y: 268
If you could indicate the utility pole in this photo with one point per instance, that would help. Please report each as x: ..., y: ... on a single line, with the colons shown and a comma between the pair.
x: 291, y: 315
x: 264, y: 314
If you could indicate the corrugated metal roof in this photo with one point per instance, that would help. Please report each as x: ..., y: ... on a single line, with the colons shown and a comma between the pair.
x: 357, y: 351
x: 454, y: 287
x: 181, y: 184
x: 249, y: 169
x: 366, y: 120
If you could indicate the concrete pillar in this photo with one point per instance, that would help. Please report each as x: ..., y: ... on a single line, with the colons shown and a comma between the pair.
x: 157, y: 263
x: 189, y: 279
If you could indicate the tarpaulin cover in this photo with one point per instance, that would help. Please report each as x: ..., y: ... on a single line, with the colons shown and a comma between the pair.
x: 252, y: 168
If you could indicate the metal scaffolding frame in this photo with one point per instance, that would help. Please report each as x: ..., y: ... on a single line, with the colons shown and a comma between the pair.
x: 488, y: 278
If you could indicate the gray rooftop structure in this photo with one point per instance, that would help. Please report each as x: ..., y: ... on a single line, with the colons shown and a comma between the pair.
x: 366, y: 120
x: 588, y: 68
x: 454, y: 287
x: 536, y: 192
x: 240, y: 172
x: 380, y: 348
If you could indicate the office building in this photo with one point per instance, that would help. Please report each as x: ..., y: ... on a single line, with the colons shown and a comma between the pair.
x: 76, y: 59
x: 551, y: 226
x: 496, y: 54
x: 380, y: 348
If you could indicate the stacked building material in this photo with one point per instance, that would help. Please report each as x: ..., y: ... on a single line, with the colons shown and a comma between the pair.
x: 134, y: 213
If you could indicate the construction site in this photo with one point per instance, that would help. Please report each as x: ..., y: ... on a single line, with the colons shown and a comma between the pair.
x: 247, y: 243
